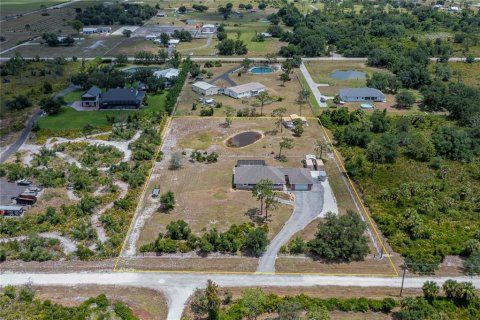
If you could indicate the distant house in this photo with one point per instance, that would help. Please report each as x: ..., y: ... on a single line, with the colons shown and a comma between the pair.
x: 205, y: 88
x: 92, y: 30
x: 361, y: 94
x: 266, y: 34
x: 173, y: 42
x: 121, y: 98
x: 207, y: 29
x: 91, y: 98
x: 161, y: 14
x: 150, y: 37
x: 169, y: 74
x: 245, y: 90
x: 248, y: 173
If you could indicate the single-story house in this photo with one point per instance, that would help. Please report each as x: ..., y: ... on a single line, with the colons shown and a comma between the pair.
x: 91, y: 98
x: 208, y: 28
x: 11, y: 210
x: 288, y: 121
x: 92, y: 30
x: 169, y: 74
x: 173, y: 42
x: 245, y: 90
x: 247, y: 173
x: 361, y: 94
x: 121, y: 98
x: 205, y: 88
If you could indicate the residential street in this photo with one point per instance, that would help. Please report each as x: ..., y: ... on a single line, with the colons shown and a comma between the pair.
x: 178, y: 287
x: 313, y: 86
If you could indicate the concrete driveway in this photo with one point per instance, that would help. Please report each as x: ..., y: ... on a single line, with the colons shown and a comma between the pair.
x: 309, y: 205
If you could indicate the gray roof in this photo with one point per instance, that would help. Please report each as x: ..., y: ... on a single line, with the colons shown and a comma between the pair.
x: 298, y: 175
x: 92, y: 92
x: 250, y: 163
x: 122, y: 94
x: 203, y: 85
x: 253, y: 174
x: 15, y: 208
x: 361, y: 92
x: 247, y: 87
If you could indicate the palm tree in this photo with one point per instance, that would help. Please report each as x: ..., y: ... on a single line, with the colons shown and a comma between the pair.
x: 263, y: 97
x: 286, y: 143
x: 279, y: 113
x: 302, y: 98
x: 271, y: 203
x: 430, y: 290
x: 262, y: 190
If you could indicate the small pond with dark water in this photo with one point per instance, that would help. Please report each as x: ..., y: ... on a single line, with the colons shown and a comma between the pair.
x: 347, y: 75
x: 244, y: 139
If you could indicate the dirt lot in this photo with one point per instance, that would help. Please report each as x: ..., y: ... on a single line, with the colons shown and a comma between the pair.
x: 287, y: 93
x: 145, y: 303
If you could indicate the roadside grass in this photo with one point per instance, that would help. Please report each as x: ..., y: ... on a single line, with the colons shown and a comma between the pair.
x: 468, y: 73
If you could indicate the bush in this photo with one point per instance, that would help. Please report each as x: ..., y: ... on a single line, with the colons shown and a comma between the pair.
x: 256, y: 241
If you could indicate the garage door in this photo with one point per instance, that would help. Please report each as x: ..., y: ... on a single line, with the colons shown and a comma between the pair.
x: 301, y: 187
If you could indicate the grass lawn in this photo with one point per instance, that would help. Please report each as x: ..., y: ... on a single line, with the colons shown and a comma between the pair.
x: 73, y: 96
x: 70, y: 119
x: 11, y: 7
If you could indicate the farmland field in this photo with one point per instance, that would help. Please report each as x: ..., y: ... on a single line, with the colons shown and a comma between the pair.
x: 14, y: 7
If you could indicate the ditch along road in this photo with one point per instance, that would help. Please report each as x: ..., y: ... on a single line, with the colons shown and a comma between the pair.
x: 178, y: 287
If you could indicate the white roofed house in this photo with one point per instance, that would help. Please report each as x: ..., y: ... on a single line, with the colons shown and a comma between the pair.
x: 205, y: 88
x: 208, y: 29
x: 244, y: 90
x: 89, y: 30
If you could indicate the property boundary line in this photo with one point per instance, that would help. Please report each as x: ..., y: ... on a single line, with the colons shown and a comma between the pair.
x: 165, y: 132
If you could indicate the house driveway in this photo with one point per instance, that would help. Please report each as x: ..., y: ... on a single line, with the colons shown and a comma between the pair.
x: 309, y: 205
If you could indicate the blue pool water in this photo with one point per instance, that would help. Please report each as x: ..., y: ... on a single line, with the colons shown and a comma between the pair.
x: 261, y: 70
x: 347, y: 75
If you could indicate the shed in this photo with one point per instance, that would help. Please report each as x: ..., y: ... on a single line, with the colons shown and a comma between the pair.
x: 245, y: 90
x: 309, y: 164
x: 205, y: 88
x: 361, y: 94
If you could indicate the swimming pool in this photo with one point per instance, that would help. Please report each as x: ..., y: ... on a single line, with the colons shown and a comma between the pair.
x: 261, y: 70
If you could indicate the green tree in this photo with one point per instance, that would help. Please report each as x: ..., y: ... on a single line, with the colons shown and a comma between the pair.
x: 297, y: 127
x: 404, y: 99
x: 176, y: 161
x: 50, y: 105
x: 317, y: 313
x: 321, y: 146
x: 284, y: 77
x: 341, y: 238
x: 164, y: 38
x: 229, y: 113
x: 261, y: 191
x: 253, y: 301
x: 213, y: 301
x: 289, y: 310
x: 199, y: 304
x: 168, y: 201
x: 77, y: 25
x: 430, y: 290
x: 279, y: 113
x: 87, y: 130
x: 302, y: 98
x: 256, y: 241
x: 263, y: 98
x: 271, y: 203
x: 419, y: 147
x: 127, y: 33
x: 178, y: 230
x: 285, y: 143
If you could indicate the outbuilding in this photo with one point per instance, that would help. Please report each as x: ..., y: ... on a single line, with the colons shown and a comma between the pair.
x: 205, y: 88
x: 361, y: 95
x: 169, y: 74
x: 245, y: 90
x: 11, y: 210
x: 207, y: 29
x: 150, y: 37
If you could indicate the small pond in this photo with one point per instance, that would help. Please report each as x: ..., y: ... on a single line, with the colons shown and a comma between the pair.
x: 347, y: 75
x: 261, y: 70
x: 244, y: 139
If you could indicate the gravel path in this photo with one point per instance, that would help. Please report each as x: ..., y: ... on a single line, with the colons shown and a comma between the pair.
x: 178, y: 287
x: 69, y: 246
x: 309, y: 205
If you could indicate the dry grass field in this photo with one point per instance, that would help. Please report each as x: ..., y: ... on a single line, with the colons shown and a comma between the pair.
x: 204, y: 194
x: 275, y: 88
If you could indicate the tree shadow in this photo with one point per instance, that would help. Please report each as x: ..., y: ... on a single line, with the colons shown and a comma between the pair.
x: 255, y: 215
x: 272, y: 132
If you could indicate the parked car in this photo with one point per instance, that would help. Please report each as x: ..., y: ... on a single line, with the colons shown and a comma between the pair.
x: 24, y: 182
x: 323, y: 100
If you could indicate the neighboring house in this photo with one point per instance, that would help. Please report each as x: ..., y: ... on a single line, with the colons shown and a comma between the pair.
x: 205, y: 88
x: 11, y: 210
x: 169, y: 74
x: 248, y: 173
x: 121, y: 98
x: 92, y: 30
x: 245, y: 90
x: 361, y: 94
x: 91, y: 98
x: 208, y: 29
x: 266, y: 34
x: 288, y: 121
x: 161, y: 14
x: 173, y: 42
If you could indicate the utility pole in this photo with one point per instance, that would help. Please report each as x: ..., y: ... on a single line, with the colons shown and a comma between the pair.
x: 405, y: 269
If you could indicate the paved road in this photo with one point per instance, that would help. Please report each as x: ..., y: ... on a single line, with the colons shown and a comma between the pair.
x: 226, y: 76
x: 178, y: 287
x: 309, y: 205
x: 21, y: 140
x: 28, y: 128
x: 313, y: 86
